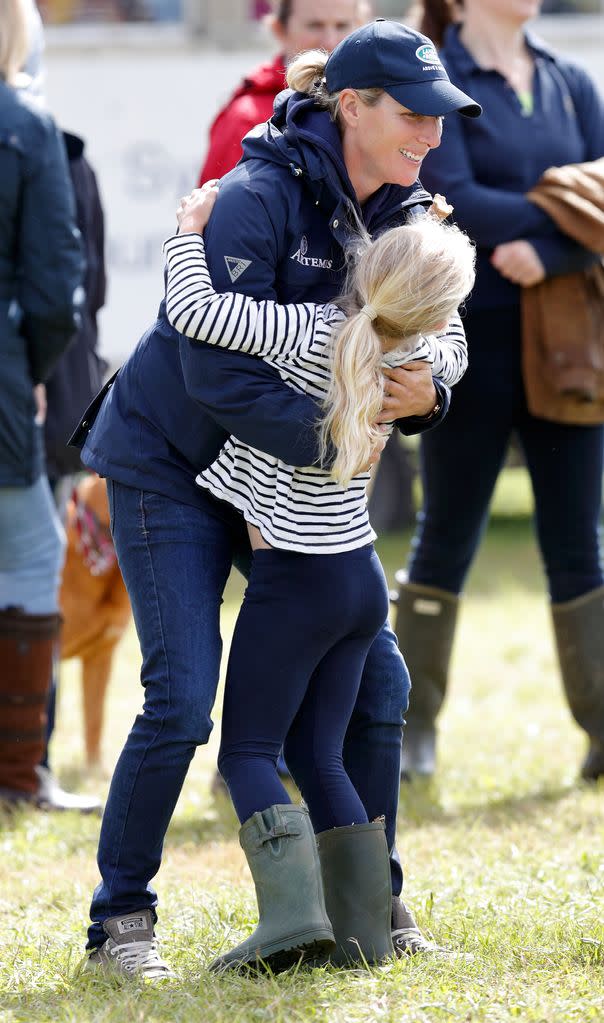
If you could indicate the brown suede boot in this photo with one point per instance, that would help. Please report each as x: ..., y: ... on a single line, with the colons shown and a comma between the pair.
x: 26, y: 649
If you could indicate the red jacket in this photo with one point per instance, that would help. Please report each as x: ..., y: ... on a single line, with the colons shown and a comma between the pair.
x: 251, y: 104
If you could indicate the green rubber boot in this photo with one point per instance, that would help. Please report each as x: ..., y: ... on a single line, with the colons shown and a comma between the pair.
x: 579, y: 631
x: 425, y: 627
x: 358, y: 892
x: 281, y: 850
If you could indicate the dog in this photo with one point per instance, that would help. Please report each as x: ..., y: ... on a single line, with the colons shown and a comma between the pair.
x: 94, y: 604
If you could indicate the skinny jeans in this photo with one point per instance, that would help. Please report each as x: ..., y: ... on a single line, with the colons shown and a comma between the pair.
x: 461, y: 460
x: 175, y: 560
x: 299, y: 648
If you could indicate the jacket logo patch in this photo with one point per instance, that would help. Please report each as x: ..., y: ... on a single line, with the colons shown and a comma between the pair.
x: 236, y: 266
x: 301, y: 257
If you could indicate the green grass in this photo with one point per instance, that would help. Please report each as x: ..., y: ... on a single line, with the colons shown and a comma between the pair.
x: 503, y: 851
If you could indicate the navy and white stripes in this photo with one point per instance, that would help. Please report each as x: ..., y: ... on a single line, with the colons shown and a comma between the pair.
x: 299, y: 509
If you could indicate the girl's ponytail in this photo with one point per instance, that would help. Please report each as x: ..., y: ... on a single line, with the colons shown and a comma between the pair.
x: 355, y: 397
x: 408, y: 282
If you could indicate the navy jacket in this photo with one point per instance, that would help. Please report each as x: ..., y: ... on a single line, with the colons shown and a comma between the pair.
x: 484, y: 166
x: 278, y: 230
x: 40, y: 275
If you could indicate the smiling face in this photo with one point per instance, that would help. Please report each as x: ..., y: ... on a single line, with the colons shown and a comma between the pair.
x: 385, y: 143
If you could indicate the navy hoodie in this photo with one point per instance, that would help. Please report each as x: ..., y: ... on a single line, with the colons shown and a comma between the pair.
x: 282, y: 222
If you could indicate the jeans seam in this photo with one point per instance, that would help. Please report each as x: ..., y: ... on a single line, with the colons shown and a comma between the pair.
x: 145, y: 534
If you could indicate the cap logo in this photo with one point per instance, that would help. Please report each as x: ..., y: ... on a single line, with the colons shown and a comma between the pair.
x: 427, y: 54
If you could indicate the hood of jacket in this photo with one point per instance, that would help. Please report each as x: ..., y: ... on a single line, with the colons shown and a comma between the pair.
x: 303, y: 138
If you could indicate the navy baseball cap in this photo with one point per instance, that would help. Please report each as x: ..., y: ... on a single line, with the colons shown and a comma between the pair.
x: 404, y: 63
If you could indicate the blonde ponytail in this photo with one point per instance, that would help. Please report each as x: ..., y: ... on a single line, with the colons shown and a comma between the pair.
x: 354, y: 399
x: 408, y: 282
x: 306, y: 70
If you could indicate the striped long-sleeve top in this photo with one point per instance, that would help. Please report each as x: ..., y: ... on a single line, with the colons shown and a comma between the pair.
x: 297, y: 509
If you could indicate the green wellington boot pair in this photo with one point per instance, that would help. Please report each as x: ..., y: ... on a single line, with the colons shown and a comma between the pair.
x: 425, y: 625
x: 325, y: 899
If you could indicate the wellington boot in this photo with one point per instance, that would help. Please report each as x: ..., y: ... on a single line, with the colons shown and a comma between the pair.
x: 281, y: 851
x: 26, y: 649
x: 425, y: 626
x: 579, y: 631
x: 358, y: 892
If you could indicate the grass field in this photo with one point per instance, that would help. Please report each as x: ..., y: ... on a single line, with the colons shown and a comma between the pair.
x: 503, y: 852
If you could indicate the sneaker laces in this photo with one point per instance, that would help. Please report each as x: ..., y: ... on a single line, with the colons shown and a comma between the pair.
x: 139, y: 955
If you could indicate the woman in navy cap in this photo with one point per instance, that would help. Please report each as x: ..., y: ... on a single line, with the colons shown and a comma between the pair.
x: 341, y: 155
x: 541, y: 110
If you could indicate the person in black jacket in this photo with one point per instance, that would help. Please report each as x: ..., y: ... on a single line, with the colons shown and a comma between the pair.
x: 78, y: 375
x: 75, y: 380
x: 40, y: 291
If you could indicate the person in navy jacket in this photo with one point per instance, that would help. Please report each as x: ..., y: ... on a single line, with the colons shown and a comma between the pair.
x: 284, y: 219
x: 540, y: 110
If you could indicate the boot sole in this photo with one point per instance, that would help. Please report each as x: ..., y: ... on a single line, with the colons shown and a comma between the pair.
x: 279, y: 955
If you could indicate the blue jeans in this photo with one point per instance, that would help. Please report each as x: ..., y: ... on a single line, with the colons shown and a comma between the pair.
x: 461, y: 460
x: 32, y: 549
x: 175, y: 560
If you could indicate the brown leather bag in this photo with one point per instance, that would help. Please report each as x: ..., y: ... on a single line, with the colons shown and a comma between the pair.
x: 563, y: 347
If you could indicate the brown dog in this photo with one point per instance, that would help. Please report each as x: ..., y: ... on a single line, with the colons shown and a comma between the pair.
x: 94, y: 603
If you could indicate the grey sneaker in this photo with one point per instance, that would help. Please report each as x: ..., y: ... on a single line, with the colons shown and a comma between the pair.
x: 408, y: 940
x: 131, y: 949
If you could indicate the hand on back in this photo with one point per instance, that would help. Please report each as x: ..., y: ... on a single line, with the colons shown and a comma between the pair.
x: 194, y: 209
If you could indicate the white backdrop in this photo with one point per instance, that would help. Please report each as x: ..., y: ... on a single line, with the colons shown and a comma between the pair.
x: 143, y: 102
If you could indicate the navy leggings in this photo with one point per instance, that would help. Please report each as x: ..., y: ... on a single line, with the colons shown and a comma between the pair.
x: 461, y: 460
x: 300, y: 643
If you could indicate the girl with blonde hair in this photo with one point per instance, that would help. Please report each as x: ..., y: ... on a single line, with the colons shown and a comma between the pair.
x: 317, y: 595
